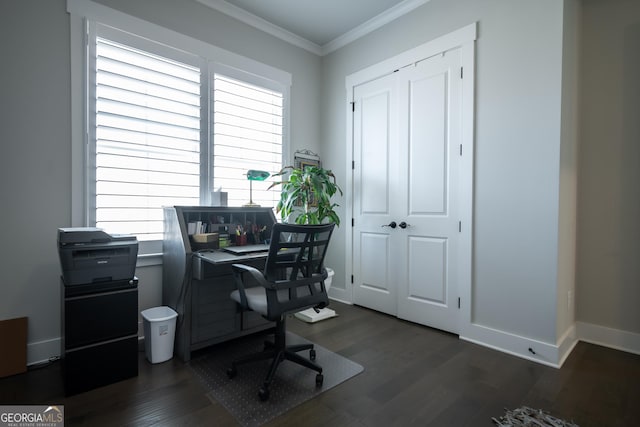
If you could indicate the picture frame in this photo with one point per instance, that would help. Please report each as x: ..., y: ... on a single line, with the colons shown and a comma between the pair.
x: 304, y: 159
x: 308, y: 163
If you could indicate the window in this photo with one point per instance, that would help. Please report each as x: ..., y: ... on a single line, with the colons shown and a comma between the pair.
x: 247, y: 134
x: 167, y: 127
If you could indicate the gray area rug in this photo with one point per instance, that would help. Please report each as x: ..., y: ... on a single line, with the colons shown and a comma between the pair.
x: 292, y: 385
x: 529, y: 417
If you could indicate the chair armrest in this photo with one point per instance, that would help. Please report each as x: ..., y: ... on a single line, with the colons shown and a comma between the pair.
x: 255, y: 273
x: 238, y: 271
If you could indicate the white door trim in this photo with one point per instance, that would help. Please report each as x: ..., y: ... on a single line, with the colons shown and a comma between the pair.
x: 463, y: 38
x: 457, y: 38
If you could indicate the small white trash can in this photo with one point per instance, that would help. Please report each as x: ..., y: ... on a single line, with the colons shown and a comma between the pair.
x: 159, y: 333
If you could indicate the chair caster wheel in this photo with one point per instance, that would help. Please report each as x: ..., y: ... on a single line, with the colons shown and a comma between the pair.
x: 312, y: 354
x: 263, y: 393
x: 319, y: 380
x: 232, y: 372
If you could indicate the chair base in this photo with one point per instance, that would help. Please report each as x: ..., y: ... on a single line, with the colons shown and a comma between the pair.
x: 278, y: 351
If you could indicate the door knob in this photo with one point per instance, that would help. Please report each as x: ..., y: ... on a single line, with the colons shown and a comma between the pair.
x: 403, y: 225
x: 392, y: 224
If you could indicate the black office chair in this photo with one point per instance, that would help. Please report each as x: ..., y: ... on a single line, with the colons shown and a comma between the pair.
x: 293, y: 280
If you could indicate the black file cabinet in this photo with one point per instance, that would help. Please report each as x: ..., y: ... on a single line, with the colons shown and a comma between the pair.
x: 99, y: 334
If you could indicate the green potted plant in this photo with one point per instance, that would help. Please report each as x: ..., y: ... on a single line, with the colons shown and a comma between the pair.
x: 305, y: 198
x: 306, y: 194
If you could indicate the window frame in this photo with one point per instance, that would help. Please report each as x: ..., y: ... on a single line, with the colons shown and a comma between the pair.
x: 85, y: 17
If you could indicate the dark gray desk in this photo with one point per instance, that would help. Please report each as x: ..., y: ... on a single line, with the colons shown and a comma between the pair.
x: 197, y: 283
x: 215, y: 317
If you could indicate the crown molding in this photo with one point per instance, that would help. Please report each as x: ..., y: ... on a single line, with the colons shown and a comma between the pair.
x: 262, y: 25
x: 289, y: 37
x: 373, y: 24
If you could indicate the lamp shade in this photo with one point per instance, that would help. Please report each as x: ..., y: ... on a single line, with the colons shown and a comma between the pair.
x: 256, y: 175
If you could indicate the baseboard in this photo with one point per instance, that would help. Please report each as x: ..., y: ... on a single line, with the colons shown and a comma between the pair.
x: 566, y: 344
x: 609, y: 337
x: 43, y: 351
x: 340, y: 295
x: 515, y: 345
x: 548, y: 354
x: 340, y: 300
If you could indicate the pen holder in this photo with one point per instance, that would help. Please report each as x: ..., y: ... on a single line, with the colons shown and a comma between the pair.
x: 241, y: 240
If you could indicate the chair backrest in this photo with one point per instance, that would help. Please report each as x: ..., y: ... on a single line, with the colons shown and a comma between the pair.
x: 296, y: 263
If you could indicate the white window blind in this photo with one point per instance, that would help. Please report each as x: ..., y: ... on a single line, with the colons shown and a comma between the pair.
x: 147, y: 138
x: 247, y: 134
x: 150, y: 120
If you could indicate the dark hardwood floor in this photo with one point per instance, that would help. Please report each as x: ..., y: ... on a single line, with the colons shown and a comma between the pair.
x: 413, y: 376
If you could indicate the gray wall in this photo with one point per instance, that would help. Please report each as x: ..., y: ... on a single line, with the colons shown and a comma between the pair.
x: 608, y: 272
x: 35, y: 160
x: 517, y: 158
x: 36, y: 139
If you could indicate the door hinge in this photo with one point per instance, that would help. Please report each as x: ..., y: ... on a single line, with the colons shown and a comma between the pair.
x: 459, y: 226
x: 461, y: 149
x: 458, y: 302
x: 462, y: 72
x: 352, y: 278
x: 353, y: 106
x: 353, y: 164
x: 353, y: 222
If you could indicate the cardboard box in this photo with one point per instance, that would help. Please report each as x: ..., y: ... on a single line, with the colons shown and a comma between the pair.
x: 13, y: 346
x: 205, y: 238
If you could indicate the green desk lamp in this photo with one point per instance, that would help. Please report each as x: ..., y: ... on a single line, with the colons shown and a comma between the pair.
x: 254, y: 175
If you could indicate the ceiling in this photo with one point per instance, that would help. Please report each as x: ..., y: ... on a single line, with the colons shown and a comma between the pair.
x: 319, y: 26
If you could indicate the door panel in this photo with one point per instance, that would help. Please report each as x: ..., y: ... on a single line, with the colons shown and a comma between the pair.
x: 427, y: 144
x: 427, y: 270
x: 376, y: 288
x: 374, y: 154
x: 374, y: 163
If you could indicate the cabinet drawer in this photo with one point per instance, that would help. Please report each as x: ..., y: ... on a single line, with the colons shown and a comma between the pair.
x: 101, y: 364
x: 214, y: 313
x: 99, y: 317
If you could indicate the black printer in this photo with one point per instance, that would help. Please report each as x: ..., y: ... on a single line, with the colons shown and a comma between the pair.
x: 90, y: 255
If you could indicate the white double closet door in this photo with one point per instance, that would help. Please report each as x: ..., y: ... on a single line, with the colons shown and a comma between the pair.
x: 407, y: 133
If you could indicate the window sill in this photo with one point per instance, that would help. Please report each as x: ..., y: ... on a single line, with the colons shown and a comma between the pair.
x: 148, y: 260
